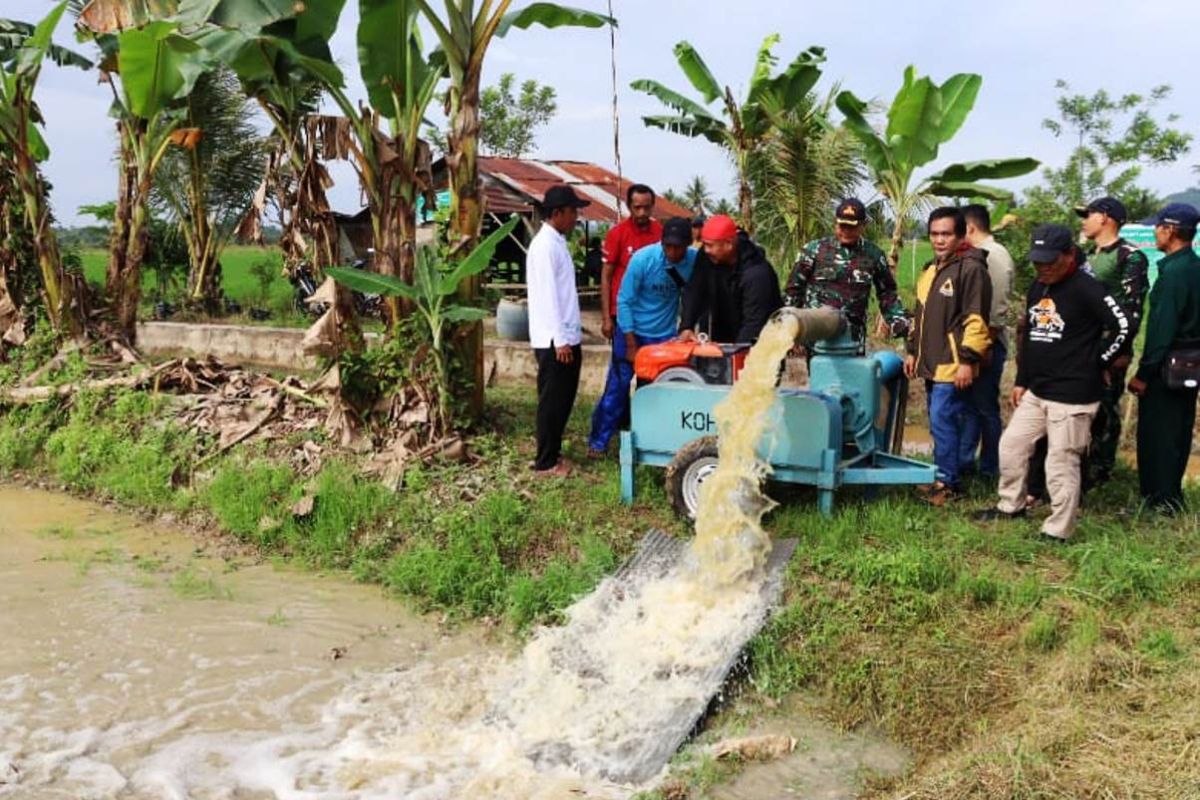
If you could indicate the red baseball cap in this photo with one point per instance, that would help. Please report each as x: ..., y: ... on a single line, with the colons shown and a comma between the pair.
x: 718, y: 227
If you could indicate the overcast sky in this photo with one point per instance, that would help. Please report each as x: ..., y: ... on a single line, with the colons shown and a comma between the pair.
x: 1019, y: 47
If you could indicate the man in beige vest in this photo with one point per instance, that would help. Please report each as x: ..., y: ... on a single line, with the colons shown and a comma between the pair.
x: 981, y: 426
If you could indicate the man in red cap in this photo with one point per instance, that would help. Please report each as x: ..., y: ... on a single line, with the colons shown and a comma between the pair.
x: 734, y: 285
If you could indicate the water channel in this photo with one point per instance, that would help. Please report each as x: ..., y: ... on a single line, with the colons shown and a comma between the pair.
x: 138, y: 665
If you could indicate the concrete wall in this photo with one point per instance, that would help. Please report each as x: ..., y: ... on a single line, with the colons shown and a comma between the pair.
x: 279, y: 348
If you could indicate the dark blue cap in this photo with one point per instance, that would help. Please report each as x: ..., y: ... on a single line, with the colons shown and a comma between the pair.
x: 677, y: 231
x: 1109, y: 206
x: 1181, y: 215
x: 1049, y: 242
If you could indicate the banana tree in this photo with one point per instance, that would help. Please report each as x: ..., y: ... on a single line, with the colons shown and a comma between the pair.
x: 465, y: 30
x: 149, y: 50
x: 23, y: 50
x: 393, y: 167
x: 279, y: 68
x: 923, y: 116
x: 431, y: 292
x: 156, y: 68
x: 747, y: 123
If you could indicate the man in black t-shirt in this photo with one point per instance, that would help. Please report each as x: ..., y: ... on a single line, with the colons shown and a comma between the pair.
x: 1074, y: 330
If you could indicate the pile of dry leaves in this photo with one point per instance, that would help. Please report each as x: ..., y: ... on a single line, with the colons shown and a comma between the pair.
x: 230, y: 405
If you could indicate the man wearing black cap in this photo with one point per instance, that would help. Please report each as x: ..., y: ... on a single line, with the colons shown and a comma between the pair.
x: 554, y: 329
x: 1072, y: 333
x: 647, y: 313
x: 648, y: 303
x: 1124, y: 271
x: 840, y: 270
x: 1167, y: 404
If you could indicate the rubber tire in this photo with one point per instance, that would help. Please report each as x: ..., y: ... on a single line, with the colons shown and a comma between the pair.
x: 690, y: 455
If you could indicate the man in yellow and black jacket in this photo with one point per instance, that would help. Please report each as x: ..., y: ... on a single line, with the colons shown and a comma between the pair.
x: 949, y: 338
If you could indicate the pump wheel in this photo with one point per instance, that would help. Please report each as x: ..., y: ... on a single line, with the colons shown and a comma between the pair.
x: 691, y: 466
x: 680, y: 375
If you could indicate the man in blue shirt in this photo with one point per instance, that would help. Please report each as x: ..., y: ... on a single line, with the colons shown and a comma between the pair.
x: 648, y: 302
x: 647, y: 312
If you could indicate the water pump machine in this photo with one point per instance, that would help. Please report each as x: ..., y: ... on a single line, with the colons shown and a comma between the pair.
x: 846, y: 428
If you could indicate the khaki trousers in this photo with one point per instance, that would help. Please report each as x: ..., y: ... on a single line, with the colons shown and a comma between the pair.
x: 1067, y: 428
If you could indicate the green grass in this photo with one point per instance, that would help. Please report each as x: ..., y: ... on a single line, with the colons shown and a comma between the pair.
x: 238, y: 280
x: 993, y: 656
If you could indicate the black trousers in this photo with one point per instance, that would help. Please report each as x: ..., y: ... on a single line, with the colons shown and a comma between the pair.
x: 1164, y: 442
x: 557, y: 384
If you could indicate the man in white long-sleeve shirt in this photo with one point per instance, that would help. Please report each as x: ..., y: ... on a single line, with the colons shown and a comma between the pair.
x: 554, y: 329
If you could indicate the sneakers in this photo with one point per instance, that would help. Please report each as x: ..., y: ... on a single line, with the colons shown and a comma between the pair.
x: 1050, y: 538
x: 993, y: 514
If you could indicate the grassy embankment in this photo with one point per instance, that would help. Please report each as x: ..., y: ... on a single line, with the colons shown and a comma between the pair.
x: 1011, y: 668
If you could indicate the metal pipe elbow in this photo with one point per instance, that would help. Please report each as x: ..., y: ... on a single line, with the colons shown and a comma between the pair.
x: 814, y: 324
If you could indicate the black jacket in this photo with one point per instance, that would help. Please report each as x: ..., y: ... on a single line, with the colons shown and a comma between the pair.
x: 1061, y: 352
x: 740, y: 298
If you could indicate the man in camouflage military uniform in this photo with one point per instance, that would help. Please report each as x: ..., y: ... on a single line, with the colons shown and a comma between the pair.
x: 840, y: 270
x: 1123, y: 269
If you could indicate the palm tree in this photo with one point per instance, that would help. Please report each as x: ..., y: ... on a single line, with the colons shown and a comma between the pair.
x: 746, y: 123
x: 804, y: 167
x: 696, y: 195
x: 205, y: 190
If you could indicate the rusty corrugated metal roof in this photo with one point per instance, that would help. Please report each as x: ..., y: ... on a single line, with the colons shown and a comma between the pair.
x: 513, y: 184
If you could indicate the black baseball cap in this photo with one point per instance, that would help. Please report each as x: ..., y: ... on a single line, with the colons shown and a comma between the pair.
x: 1049, y: 242
x: 851, y: 211
x: 677, y: 231
x: 562, y: 196
x: 1181, y: 215
x: 699, y: 220
x: 1111, y: 207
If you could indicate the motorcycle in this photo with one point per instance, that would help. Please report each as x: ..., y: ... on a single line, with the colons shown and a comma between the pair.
x: 304, y: 284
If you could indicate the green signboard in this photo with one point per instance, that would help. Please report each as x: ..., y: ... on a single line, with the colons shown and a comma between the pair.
x: 1143, y: 237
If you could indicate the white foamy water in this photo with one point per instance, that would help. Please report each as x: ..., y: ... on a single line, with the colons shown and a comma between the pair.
x: 257, y: 684
x: 112, y: 685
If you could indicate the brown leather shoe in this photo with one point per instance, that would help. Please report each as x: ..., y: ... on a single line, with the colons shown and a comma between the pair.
x: 940, y: 494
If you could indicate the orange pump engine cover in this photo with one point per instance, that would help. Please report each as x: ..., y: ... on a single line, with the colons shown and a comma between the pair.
x: 653, y: 359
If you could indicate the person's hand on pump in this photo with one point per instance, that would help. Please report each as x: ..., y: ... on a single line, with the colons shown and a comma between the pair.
x: 687, y: 335
x: 1137, y: 387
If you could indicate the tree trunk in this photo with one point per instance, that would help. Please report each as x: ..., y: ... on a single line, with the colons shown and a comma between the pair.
x: 466, y: 219
x: 60, y: 306
x: 130, y: 233
x: 897, y: 244
x: 746, y: 204
x: 406, y: 213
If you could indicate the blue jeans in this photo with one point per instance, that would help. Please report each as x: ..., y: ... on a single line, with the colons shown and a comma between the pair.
x: 946, y: 407
x: 612, y: 410
x: 981, y: 418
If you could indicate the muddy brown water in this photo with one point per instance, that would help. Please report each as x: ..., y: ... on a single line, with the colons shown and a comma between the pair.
x: 136, y: 666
